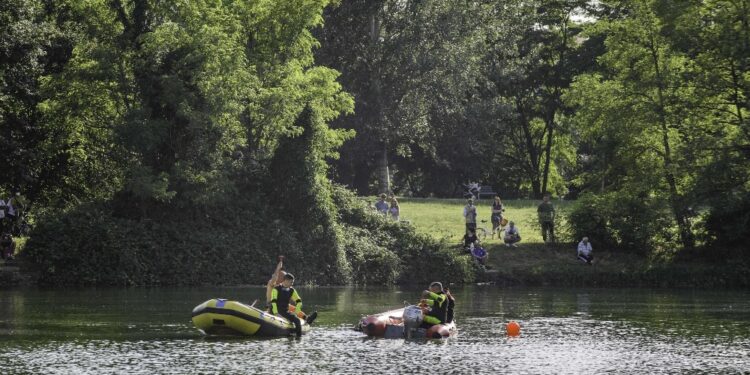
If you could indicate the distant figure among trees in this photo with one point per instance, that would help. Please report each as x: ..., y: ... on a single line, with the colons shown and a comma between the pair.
x: 381, y: 205
x: 395, y: 210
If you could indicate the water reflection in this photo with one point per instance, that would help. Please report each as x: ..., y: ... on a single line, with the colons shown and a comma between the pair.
x: 563, y: 331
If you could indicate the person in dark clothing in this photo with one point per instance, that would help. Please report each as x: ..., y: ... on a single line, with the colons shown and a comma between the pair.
x: 470, y: 238
x: 437, y: 300
x: 451, y: 306
x: 546, y: 212
x: 7, y: 246
x: 280, y: 298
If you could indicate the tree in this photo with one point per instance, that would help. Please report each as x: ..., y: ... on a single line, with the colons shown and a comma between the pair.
x: 645, y: 104
x: 34, y: 155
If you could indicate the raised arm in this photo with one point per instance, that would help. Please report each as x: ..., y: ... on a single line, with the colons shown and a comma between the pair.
x: 275, y: 277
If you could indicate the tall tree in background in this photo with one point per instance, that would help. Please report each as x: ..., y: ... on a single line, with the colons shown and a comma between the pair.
x: 172, y: 96
x: 33, y: 154
x: 643, y: 98
x: 408, y: 64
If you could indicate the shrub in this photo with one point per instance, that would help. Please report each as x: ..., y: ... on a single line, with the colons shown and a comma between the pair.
x: 622, y: 220
x: 421, y: 258
x: 728, y: 221
x: 90, y: 246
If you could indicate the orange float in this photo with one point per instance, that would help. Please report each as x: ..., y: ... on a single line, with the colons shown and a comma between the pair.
x: 513, y: 329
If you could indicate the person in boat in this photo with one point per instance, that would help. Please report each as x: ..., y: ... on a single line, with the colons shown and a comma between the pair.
x: 437, y: 300
x: 281, y: 295
x: 277, y: 279
x: 451, y: 306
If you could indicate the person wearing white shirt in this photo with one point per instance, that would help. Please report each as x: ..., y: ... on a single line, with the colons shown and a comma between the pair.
x: 585, y: 251
x: 470, y: 213
x: 512, y: 235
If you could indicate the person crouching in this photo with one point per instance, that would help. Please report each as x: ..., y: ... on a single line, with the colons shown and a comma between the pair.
x: 585, y: 252
x: 437, y: 300
x: 512, y: 235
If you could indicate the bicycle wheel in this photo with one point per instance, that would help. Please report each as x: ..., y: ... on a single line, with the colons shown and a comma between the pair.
x: 481, y: 233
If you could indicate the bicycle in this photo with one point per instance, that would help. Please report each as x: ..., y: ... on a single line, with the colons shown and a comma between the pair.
x: 482, y: 231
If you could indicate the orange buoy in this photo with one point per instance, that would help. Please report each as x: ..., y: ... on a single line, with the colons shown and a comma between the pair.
x: 513, y: 328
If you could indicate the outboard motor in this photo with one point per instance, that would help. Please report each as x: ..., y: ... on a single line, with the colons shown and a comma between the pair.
x: 412, y: 319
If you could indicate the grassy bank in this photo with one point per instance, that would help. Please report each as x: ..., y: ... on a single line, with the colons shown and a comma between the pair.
x: 536, y: 263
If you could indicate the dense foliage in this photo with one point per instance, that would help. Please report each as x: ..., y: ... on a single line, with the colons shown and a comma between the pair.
x: 640, y: 105
x: 178, y: 143
x: 221, y: 124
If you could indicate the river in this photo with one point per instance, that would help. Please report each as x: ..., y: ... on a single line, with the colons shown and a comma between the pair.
x: 571, y: 330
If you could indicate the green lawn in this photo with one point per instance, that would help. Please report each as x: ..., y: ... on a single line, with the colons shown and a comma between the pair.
x: 443, y: 218
x: 537, y: 263
x: 533, y: 261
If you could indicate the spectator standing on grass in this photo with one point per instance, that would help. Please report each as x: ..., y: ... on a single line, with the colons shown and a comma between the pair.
x: 395, y: 210
x: 497, y: 215
x: 546, y: 212
x: 512, y: 235
x: 470, y: 213
x: 585, y: 251
x: 381, y: 205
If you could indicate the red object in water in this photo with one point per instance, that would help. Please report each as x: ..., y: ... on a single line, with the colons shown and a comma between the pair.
x: 374, y: 325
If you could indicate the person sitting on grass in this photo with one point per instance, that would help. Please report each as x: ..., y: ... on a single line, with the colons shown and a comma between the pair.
x: 585, y: 251
x: 512, y: 235
x: 7, y: 246
x: 480, y: 255
x: 470, y: 240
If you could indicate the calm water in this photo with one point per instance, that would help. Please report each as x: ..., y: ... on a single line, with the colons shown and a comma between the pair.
x: 148, y: 331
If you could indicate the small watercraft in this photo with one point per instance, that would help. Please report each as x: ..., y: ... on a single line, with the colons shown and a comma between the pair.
x: 404, y: 323
x: 225, y: 317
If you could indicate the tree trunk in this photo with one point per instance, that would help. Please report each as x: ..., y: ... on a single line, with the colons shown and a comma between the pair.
x: 678, y: 206
x: 384, y: 176
x: 550, y: 124
x: 533, y: 170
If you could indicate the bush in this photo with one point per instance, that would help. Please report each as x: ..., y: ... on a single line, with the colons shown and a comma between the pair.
x: 622, y: 220
x: 90, y: 246
x: 421, y: 258
x: 728, y: 222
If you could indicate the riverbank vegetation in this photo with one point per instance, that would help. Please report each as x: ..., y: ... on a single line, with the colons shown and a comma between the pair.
x: 192, y: 142
x: 534, y: 262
